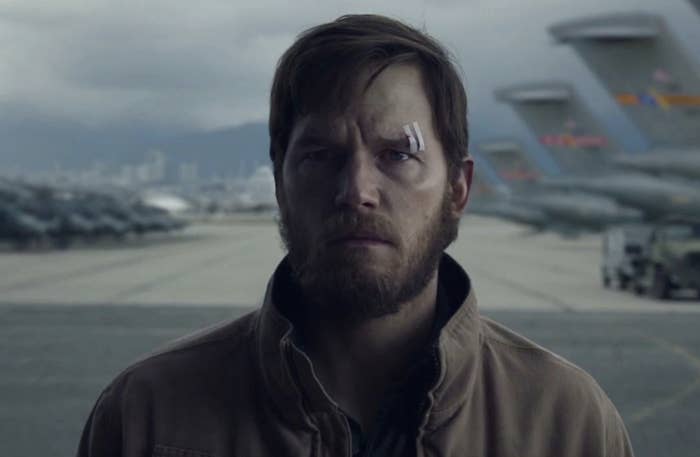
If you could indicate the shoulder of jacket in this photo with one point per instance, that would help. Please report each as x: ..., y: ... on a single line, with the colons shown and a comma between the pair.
x: 220, y: 333
x: 554, y: 381
x: 225, y: 338
x: 509, y: 344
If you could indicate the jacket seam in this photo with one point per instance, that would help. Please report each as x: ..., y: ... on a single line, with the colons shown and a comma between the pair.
x: 544, y: 353
x: 158, y: 355
x: 451, y: 410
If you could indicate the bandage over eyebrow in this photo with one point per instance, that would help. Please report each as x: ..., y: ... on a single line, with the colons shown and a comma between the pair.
x: 415, y: 137
x: 419, y: 135
x: 411, y: 139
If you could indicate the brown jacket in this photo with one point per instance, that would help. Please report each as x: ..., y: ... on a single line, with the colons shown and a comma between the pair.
x: 243, y: 389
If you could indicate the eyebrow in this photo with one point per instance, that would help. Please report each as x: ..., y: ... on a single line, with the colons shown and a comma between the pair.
x: 316, y: 137
x: 308, y: 140
x: 400, y: 142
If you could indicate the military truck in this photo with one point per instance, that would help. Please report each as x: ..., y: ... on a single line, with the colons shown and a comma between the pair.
x: 672, y: 261
x: 623, y: 248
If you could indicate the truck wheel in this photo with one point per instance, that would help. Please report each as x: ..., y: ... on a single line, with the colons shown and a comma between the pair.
x: 606, y: 281
x: 62, y: 242
x: 622, y: 281
x: 660, y: 286
x: 21, y: 244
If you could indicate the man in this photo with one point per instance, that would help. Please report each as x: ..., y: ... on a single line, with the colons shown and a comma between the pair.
x: 368, y: 341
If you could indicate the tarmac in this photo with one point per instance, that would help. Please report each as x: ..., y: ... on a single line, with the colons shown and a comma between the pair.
x: 71, y: 320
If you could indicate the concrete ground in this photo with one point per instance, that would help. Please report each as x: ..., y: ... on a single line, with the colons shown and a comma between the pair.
x: 70, y: 321
x: 229, y: 263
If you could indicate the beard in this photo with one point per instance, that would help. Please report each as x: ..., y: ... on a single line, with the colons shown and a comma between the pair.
x: 341, y: 285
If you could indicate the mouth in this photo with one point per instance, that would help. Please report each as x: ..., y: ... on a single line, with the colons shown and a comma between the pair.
x: 359, y: 239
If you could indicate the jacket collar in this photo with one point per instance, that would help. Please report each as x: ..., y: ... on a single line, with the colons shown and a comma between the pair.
x: 287, y: 374
x: 459, y: 348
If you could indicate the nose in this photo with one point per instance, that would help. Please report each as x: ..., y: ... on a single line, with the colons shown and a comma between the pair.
x: 358, y: 183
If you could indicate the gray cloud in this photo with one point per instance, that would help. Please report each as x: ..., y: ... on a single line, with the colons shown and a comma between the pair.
x: 209, y: 63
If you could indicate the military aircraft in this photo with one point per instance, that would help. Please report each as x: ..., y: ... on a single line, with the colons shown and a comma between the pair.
x: 11, y: 191
x: 18, y: 228
x: 683, y: 163
x: 651, y: 77
x: 494, y: 201
x: 482, y: 190
x: 19, y: 223
x: 563, y: 125
x: 32, y: 213
x: 565, y: 212
x: 645, y: 70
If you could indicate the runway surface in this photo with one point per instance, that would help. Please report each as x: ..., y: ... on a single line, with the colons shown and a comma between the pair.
x: 229, y: 264
x: 70, y: 321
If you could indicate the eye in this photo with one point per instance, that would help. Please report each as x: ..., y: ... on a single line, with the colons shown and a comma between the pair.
x: 316, y: 155
x: 392, y: 155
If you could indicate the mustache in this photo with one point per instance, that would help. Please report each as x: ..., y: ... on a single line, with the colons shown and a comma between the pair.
x: 349, y: 223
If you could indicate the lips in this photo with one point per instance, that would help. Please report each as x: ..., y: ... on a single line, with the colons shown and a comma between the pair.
x: 359, y: 238
x: 351, y: 228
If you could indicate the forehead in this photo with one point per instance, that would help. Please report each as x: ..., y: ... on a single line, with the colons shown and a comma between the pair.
x: 394, y: 97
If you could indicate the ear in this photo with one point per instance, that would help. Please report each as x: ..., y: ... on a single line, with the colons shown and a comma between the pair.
x: 461, y: 186
x: 279, y: 191
x: 277, y: 172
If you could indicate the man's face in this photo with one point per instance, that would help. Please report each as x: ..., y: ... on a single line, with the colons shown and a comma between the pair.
x: 364, y: 218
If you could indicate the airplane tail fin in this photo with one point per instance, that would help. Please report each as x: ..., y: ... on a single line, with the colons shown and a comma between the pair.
x: 644, y: 69
x: 513, y: 167
x: 481, y: 188
x: 562, y: 124
x: 696, y: 4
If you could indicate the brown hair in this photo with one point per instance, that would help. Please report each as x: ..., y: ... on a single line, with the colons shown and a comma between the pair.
x: 322, y: 65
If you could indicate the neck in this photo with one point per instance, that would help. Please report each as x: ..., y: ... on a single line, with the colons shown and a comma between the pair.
x: 357, y: 363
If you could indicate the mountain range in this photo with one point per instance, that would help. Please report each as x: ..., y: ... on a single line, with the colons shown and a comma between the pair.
x: 35, y: 144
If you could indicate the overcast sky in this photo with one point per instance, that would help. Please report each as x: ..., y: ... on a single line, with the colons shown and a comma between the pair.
x: 208, y: 63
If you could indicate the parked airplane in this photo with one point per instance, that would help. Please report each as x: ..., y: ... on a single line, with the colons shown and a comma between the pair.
x: 652, y: 78
x: 494, y: 201
x: 482, y: 190
x: 564, y: 126
x: 683, y: 163
x: 644, y: 69
x: 32, y: 213
x: 569, y: 211
x: 19, y: 228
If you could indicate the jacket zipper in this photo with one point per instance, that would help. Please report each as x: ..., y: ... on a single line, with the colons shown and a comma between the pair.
x: 295, y: 375
x: 423, y: 408
x: 348, y: 433
x: 293, y: 369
